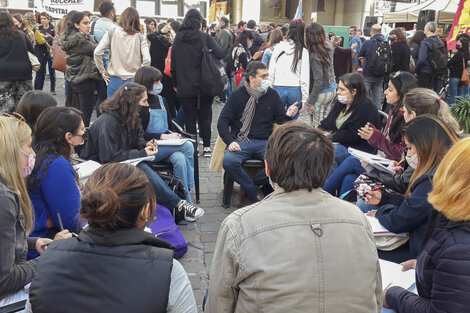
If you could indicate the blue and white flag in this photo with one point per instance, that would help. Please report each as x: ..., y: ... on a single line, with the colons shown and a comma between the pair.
x: 298, y: 13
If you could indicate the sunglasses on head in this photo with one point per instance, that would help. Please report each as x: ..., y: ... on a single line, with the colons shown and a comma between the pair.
x: 16, y: 116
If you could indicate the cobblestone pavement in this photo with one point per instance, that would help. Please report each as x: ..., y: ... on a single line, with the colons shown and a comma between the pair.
x: 196, y: 262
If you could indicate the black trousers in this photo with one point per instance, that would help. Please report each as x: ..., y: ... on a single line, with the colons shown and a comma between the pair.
x: 203, y: 116
x: 81, y: 96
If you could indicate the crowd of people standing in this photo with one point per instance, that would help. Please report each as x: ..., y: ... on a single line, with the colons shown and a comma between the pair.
x: 378, y: 96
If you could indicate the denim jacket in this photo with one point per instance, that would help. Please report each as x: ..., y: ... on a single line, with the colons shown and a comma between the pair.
x: 295, y: 252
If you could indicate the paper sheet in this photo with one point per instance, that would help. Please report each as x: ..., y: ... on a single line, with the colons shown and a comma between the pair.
x: 86, y: 168
x: 379, y: 230
x: 392, y: 275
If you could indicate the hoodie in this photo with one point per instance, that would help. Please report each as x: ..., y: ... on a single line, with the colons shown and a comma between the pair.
x: 280, y: 68
x: 79, y: 48
x: 186, y: 61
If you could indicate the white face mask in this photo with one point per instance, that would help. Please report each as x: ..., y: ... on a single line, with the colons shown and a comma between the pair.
x: 263, y: 87
x: 344, y: 99
x: 412, y: 160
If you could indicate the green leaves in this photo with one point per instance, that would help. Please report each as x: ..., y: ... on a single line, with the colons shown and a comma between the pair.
x: 461, y: 111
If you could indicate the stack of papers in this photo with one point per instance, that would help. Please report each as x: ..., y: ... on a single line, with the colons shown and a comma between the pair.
x: 392, y: 275
x: 138, y: 160
x: 379, y: 230
x: 173, y: 142
x: 373, y: 160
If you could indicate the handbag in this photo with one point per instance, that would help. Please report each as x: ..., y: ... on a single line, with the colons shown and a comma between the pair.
x: 464, y: 79
x: 35, y: 65
x: 158, y: 122
x: 58, y: 58
x: 364, y: 183
x: 165, y: 228
x: 239, y: 76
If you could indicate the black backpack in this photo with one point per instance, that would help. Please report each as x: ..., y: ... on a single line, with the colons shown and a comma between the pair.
x: 437, y: 57
x: 381, y: 61
x: 214, y: 78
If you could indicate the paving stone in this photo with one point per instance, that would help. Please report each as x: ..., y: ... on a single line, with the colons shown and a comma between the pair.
x: 208, y: 237
x: 209, y: 247
x: 210, y: 226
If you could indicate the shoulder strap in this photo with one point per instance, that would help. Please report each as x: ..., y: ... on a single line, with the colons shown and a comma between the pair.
x: 162, y: 104
x: 92, y: 31
x: 280, y: 54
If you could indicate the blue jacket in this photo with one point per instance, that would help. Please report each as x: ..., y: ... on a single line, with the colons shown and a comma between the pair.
x: 411, y: 215
x: 366, y: 51
x: 355, y: 39
x: 57, y: 192
x: 442, y: 272
x: 423, y: 66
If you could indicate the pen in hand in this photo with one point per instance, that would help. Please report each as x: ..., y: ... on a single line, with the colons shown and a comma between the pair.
x: 62, y: 225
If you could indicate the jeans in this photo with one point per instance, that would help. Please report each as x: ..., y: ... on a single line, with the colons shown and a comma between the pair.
x: 41, y: 76
x: 203, y: 116
x: 456, y: 88
x: 254, y: 149
x: 341, y: 154
x: 182, y: 158
x: 290, y: 95
x: 343, y: 177
x: 164, y: 195
x: 375, y: 88
x: 114, y: 84
x: 101, y: 94
x: 365, y: 207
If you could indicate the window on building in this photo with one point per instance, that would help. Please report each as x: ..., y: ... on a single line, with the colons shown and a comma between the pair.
x: 31, y: 4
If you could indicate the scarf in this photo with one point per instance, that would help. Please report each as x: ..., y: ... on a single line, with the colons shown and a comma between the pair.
x: 249, y: 112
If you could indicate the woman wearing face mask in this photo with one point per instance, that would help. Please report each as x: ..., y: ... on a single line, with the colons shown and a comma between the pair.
x: 427, y: 140
x: 16, y: 214
x: 390, y: 141
x: 352, y: 111
x: 53, y: 184
x: 400, y: 51
x: 81, y: 72
x: 239, y: 57
x: 161, y: 128
x: 456, y: 66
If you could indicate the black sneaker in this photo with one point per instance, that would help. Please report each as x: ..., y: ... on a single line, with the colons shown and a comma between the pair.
x: 191, y: 213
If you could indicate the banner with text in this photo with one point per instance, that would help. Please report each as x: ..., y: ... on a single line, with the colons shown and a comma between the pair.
x: 59, y: 8
x: 461, y: 23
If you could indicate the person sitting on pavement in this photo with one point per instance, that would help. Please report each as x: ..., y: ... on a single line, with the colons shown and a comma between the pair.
x: 156, y: 122
x: 442, y: 267
x: 32, y: 103
x: 113, y: 265
x: 117, y: 135
x: 246, y: 122
x: 289, y: 252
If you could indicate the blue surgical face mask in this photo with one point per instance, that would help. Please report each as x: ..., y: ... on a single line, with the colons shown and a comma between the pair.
x: 157, y: 89
x: 263, y: 87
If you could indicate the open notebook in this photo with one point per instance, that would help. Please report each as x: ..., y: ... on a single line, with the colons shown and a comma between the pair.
x: 85, y: 169
x: 373, y: 160
x: 392, y: 275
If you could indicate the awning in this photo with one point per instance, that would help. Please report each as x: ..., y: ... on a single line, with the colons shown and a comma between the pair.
x: 445, y: 9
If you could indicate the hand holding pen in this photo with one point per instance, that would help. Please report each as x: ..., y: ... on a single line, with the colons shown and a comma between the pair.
x: 152, y: 147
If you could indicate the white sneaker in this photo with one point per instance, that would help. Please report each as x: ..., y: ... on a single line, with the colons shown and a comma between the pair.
x: 207, y: 152
x: 191, y: 212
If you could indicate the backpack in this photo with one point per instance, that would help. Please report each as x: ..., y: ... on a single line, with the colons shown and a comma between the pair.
x: 167, y: 69
x: 214, y: 79
x: 437, y: 57
x: 164, y: 227
x: 176, y: 185
x: 381, y: 62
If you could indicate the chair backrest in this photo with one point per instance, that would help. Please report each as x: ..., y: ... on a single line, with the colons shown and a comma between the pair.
x: 383, y: 120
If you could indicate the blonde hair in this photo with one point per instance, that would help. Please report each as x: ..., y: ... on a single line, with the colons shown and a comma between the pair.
x: 451, y: 184
x: 13, y: 134
x: 423, y: 101
x: 61, y: 26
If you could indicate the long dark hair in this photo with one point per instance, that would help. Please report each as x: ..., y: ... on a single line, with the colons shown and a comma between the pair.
x: 315, y: 41
x: 75, y: 18
x: 125, y: 102
x: 7, y: 28
x: 49, y: 138
x: 275, y: 36
x: 242, y: 39
x: 32, y: 103
x: 354, y: 81
x: 464, y: 49
x: 417, y: 38
x: 192, y: 20
x: 296, y: 34
x: 403, y: 83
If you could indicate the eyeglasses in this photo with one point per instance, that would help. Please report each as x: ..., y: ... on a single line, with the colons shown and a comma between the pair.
x: 16, y: 116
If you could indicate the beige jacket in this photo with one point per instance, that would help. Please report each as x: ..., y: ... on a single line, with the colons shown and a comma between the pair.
x: 295, y: 252
x: 128, y: 53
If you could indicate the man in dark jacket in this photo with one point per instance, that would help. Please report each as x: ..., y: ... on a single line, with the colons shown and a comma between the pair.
x: 423, y: 71
x: 246, y: 122
x: 374, y: 84
x: 226, y: 38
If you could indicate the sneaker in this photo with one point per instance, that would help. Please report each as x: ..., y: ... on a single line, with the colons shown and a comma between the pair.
x: 53, y: 93
x: 191, y: 213
x: 207, y: 152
